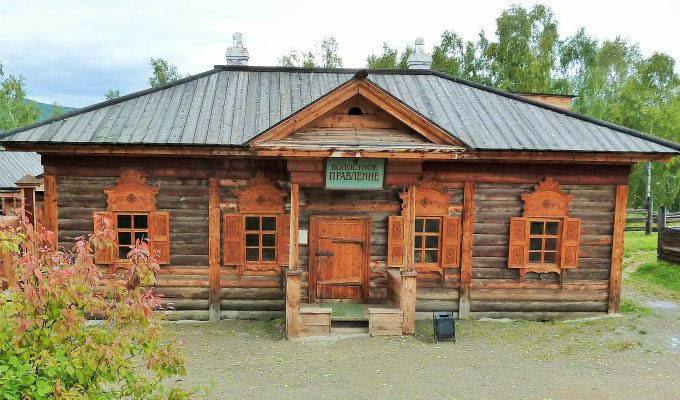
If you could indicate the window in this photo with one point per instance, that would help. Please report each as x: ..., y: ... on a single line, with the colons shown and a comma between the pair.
x: 132, y: 229
x: 426, y: 243
x: 544, y: 238
x: 260, y: 240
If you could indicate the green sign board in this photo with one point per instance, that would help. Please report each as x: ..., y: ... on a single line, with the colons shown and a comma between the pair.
x: 355, y: 173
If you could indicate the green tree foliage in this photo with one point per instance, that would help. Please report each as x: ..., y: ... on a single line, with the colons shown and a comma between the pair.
x: 326, y: 56
x: 613, y: 81
x: 162, y: 72
x: 57, y: 110
x: 389, y: 59
x: 112, y: 94
x: 47, y: 347
x: 15, y: 110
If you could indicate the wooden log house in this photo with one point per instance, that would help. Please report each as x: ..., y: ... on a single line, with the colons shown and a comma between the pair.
x: 266, y: 191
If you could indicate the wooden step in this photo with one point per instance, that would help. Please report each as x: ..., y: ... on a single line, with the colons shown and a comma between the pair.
x: 360, y: 326
x: 385, y: 321
x: 315, y: 321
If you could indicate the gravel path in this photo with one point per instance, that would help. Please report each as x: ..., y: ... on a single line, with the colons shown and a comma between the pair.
x: 631, y: 356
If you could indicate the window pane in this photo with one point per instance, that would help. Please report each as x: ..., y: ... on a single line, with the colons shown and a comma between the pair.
x: 552, y: 228
x: 551, y: 244
x: 418, y: 256
x: 431, y: 256
x: 252, y: 223
x: 124, y: 238
x: 123, y: 252
x: 432, y: 225
x: 252, y: 254
x: 252, y: 239
x: 268, y: 224
x: 124, y: 221
x: 419, y: 224
x: 268, y: 255
x: 537, y: 227
x: 550, y: 257
x: 268, y: 240
x: 140, y: 236
x: 534, y: 257
x: 141, y: 221
x: 432, y: 242
x: 535, y: 244
x: 419, y: 242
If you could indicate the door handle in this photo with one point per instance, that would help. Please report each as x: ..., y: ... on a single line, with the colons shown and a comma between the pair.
x: 324, y: 254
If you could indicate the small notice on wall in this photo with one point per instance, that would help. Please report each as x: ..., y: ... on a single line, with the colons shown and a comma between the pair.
x: 355, y: 173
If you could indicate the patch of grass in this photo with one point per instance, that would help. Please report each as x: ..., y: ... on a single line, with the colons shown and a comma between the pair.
x: 425, y: 331
x: 660, y: 273
x: 638, y: 242
x: 346, y: 310
x: 623, y: 345
x: 628, y: 306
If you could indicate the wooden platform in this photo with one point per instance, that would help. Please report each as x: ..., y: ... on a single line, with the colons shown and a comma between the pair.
x: 385, y: 321
x: 376, y: 320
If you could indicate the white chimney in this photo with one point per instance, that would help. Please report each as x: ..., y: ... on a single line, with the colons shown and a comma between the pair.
x: 237, y: 54
x: 419, y: 59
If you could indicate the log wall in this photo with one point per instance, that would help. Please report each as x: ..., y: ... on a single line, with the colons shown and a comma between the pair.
x: 495, y: 287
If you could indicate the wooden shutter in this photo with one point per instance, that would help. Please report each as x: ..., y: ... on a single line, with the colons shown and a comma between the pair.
x: 159, y: 233
x: 451, y: 235
x: 395, y: 241
x: 284, y: 239
x: 571, y: 233
x: 517, y: 252
x: 104, y: 255
x: 233, y: 237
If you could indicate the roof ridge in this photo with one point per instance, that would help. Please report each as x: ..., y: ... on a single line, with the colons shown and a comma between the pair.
x: 107, y: 103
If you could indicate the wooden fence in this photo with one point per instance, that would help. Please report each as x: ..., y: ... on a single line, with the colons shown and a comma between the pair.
x: 668, y: 248
x: 640, y: 219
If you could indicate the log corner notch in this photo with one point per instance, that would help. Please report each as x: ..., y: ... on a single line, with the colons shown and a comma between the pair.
x: 214, y: 244
x: 617, y: 249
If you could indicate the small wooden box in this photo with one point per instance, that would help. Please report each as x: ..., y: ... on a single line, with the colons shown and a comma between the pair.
x: 385, y: 322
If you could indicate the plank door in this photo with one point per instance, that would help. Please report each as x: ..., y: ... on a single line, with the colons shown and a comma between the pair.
x: 340, y: 258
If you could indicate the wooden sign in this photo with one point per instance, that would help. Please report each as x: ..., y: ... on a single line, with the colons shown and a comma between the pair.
x: 355, y: 173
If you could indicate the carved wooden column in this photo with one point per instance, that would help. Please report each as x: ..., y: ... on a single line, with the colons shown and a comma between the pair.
x: 410, y: 227
x: 294, y: 225
x: 408, y: 301
x: 293, y: 303
x: 214, y: 245
x: 466, y: 251
x: 617, y: 248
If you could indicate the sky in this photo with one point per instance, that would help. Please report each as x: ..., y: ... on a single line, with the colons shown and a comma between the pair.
x: 73, y: 52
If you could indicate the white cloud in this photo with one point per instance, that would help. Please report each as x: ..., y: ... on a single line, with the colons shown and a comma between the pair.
x: 74, y: 51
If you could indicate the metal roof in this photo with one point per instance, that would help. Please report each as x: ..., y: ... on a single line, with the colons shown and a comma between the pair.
x: 14, y: 165
x: 228, y: 106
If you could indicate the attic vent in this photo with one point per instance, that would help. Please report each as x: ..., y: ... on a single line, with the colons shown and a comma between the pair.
x: 355, y: 111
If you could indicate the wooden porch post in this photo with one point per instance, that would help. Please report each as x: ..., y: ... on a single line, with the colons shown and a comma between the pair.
x: 466, y: 251
x: 214, y: 244
x: 50, y: 207
x: 410, y: 227
x: 293, y: 275
x: 617, y: 248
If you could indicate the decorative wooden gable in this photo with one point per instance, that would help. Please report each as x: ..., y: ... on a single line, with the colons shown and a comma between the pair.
x: 545, y: 238
x: 358, y: 103
x: 131, y: 193
x: 260, y: 197
x: 547, y: 201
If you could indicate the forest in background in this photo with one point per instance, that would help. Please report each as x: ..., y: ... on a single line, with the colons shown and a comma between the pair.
x: 612, y: 80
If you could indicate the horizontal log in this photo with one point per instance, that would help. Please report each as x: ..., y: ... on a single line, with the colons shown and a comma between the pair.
x: 436, y: 305
x: 253, y: 305
x: 251, y: 314
x: 513, y: 284
x: 435, y: 294
x: 534, y: 316
x: 368, y: 207
x: 185, y: 304
x: 234, y: 293
x: 250, y: 283
x: 571, y: 306
x: 184, y: 315
x: 539, y: 295
x: 182, y: 292
x: 528, y: 177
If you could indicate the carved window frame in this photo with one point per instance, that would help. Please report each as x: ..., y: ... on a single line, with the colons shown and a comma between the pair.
x: 260, y: 198
x: 548, y: 203
x: 130, y: 196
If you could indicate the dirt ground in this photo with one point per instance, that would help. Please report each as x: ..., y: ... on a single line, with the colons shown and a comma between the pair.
x: 632, y: 356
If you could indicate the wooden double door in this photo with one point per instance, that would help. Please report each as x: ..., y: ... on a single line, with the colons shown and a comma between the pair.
x: 339, y: 258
